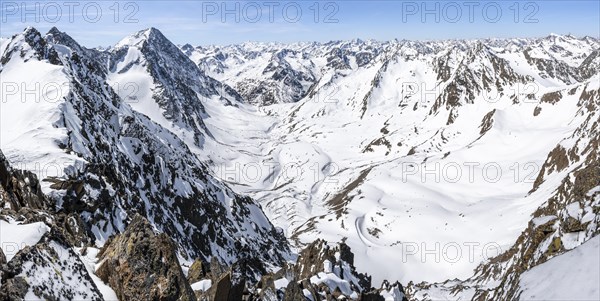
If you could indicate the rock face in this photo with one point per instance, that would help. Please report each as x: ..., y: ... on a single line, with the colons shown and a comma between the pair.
x: 319, y: 256
x: 2, y: 258
x: 19, y: 189
x: 50, y: 270
x: 319, y: 262
x: 180, y: 85
x: 225, y: 289
x: 197, y: 271
x: 14, y: 289
x: 322, y: 271
x: 293, y: 292
x: 139, y: 264
x: 571, y: 211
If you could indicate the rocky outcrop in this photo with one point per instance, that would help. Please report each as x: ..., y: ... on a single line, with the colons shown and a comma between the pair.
x: 544, y: 240
x: 293, y: 292
x: 51, y: 270
x: 323, y: 271
x: 19, y: 189
x: 472, y: 78
x: 320, y: 261
x: 589, y: 67
x: 197, y: 271
x: 549, y: 67
x: 14, y: 289
x: 181, y: 85
x: 280, y: 81
x: 140, y: 264
x: 487, y: 123
x: 21, y: 198
x: 227, y: 287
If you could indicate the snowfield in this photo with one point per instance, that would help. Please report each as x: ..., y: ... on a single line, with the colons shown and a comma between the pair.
x: 15, y: 236
x: 461, y: 198
x: 571, y: 276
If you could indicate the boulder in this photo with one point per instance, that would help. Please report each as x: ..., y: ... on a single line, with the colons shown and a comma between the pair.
x: 140, y: 264
x: 197, y: 271
x: 14, y: 289
x: 293, y: 292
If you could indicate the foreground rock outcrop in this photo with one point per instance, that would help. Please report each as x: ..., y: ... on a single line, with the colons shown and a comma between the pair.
x: 140, y: 264
x: 321, y: 272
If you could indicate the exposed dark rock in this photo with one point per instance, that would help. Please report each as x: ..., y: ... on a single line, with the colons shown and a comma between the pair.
x: 293, y: 292
x: 589, y: 67
x: 13, y: 289
x: 487, y: 122
x: 372, y: 296
x: 142, y: 264
x: 226, y: 287
x: 346, y: 253
x: 75, y: 231
x: 19, y: 189
x: 575, y: 190
x: 557, y: 160
x: 552, y: 68
x: 552, y: 97
x: 267, y: 288
x: 197, y: 271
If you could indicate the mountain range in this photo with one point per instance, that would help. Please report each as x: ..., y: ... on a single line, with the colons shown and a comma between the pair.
x: 368, y: 170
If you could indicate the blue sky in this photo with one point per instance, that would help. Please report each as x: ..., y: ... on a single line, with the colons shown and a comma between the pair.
x: 95, y: 23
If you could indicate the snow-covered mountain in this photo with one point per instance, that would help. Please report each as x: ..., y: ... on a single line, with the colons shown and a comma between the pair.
x: 117, y: 161
x: 471, y: 160
x: 371, y: 154
x: 400, y: 104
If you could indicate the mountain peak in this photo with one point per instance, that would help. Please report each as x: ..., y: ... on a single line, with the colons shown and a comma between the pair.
x: 33, y: 37
x: 140, y: 37
x: 31, y: 34
x: 153, y: 31
x: 54, y: 35
x: 54, y: 30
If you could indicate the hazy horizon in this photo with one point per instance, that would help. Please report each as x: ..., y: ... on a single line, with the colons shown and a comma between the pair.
x: 309, y: 41
x: 103, y: 23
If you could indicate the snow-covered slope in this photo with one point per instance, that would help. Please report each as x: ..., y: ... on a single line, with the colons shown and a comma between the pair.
x: 560, y: 279
x: 111, y: 161
x: 398, y: 144
x: 563, y: 222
